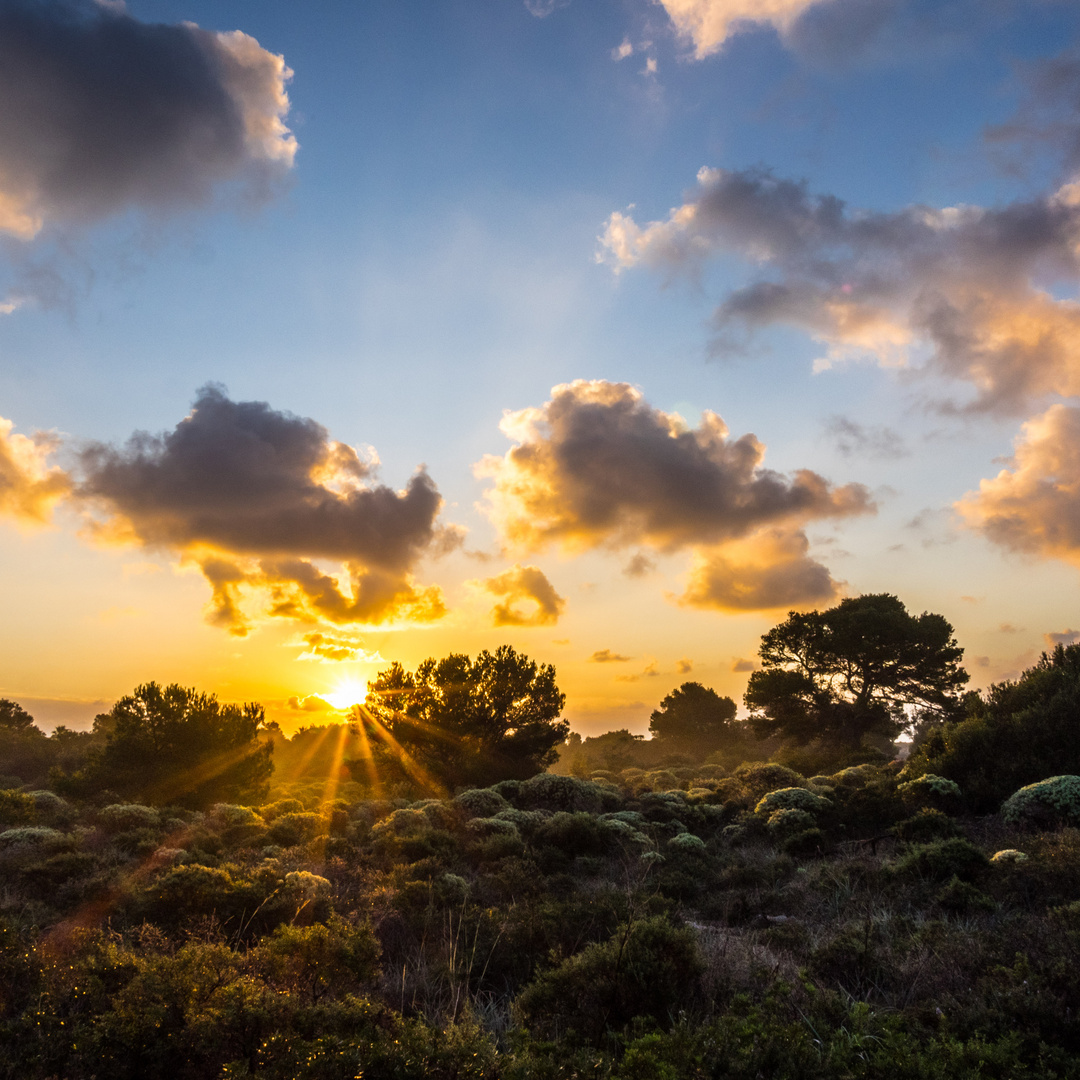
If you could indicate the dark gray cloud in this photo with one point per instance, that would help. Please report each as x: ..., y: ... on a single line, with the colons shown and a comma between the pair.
x: 598, y: 466
x: 254, y: 495
x: 103, y: 112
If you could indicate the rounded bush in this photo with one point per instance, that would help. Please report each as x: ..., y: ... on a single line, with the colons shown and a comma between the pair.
x: 231, y: 816
x: 492, y: 826
x: 1055, y: 801
x: 856, y: 775
x: 283, y: 806
x: 760, y: 778
x: 930, y: 792
x: 48, y: 802
x: 791, y: 798
x: 548, y: 791
x: 790, y: 822
x: 1008, y: 857
x: 481, y: 802
x: 403, y: 822
x: 687, y: 843
x: 305, y: 885
x: 122, y: 817
x: 296, y: 828
x: 36, y: 835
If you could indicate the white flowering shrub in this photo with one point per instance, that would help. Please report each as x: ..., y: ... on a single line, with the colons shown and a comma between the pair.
x: 791, y: 798
x: 1055, y: 801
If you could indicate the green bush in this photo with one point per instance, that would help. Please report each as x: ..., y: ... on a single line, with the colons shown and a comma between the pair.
x: 759, y: 778
x: 930, y: 792
x: 481, y: 802
x: 925, y: 825
x: 122, y: 817
x: 791, y: 798
x: 942, y: 859
x: 548, y: 791
x: 1048, y: 803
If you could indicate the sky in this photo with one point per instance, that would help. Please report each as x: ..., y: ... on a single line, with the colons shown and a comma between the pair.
x: 335, y: 334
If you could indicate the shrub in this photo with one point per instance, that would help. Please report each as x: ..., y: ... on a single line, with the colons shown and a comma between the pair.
x: 942, y: 859
x: 230, y: 816
x: 930, y: 792
x: 687, y: 843
x: 649, y: 969
x: 925, y: 825
x: 759, y: 778
x: 791, y: 798
x: 856, y: 775
x: 492, y: 826
x: 481, y: 802
x: 1055, y: 801
x: 961, y: 896
x: 296, y: 828
x: 16, y: 808
x: 547, y: 791
x: 403, y: 822
x: 1008, y: 857
x: 32, y: 835
x: 282, y: 806
x: 788, y: 822
x: 49, y: 804
x: 122, y: 817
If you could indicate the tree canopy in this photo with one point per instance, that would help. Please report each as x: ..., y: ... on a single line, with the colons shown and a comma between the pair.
x: 176, y: 745
x: 850, y: 673
x: 465, y: 722
x: 694, y: 719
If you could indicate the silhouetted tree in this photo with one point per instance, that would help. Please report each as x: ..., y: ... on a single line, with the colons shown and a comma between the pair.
x: 176, y: 745
x: 463, y: 722
x: 848, y: 674
x: 694, y: 719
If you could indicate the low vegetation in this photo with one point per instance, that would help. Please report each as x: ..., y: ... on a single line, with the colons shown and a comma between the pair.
x: 673, y: 918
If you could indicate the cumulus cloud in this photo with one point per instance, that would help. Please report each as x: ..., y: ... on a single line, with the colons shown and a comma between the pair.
x: 1062, y: 637
x: 255, y: 497
x: 741, y: 664
x: 29, y: 486
x: 598, y: 467
x: 528, y: 585
x: 967, y: 287
x: 707, y: 24
x: 103, y: 113
x: 336, y: 647
x: 770, y: 570
x: 1034, y: 505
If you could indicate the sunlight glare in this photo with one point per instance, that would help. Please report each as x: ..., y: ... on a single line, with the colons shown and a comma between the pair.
x: 346, y: 695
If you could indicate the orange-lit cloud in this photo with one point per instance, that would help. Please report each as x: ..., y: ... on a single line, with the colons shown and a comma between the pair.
x: 256, y: 497
x: 336, y: 647
x: 598, y: 467
x: 769, y: 570
x: 103, y: 112
x: 707, y: 24
x: 606, y: 656
x: 962, y: 284
x: 684, y: 666
x: 29, y: 486
x: 1034, y: 506
x: 528, y: 585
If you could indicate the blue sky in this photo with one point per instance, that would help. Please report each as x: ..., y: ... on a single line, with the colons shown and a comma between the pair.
x: 430, y: 259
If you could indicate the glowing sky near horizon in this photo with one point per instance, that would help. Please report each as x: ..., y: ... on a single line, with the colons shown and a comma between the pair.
x: 333, y: 335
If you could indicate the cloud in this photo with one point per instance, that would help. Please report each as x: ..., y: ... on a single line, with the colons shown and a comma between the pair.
x: 30, y: 487
x: 526, y: 584
x: 335, y: 647
x: 103, y: 113
x: 684, y: 666
x: 606, y: 656
x: 707, y: 24
x: 739, y: 664
x: 858, y: 440
x: 543, y: 8
x: 1063, y: 637
x: 962, y: 285
x: 255, y: 497
x: 598, y: 467
x: 311, y: 703
x: 621, y: 52
x: 1033, y: 507
x: 772, y: 570
x: 639, y: 566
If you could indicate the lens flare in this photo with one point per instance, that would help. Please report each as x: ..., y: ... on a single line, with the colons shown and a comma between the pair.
x: 347, y: 694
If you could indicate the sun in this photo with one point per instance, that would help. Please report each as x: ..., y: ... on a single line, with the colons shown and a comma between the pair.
x: 346, y: 694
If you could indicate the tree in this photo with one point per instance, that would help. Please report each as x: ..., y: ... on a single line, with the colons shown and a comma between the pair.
x: 462, y: 722
x: 1016, y: 734
x: 175, y: 745
x: 851, y: 673
x: 694, y: 719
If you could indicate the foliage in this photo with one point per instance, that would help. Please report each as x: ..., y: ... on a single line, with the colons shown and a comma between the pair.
x: 1019, y: 733
x: 176, y: 745
x: 930, y: 792
x: 694, y: 719
x: 1054, y: 801
x: 791, y: 798
x: 846, y: 675
x: 466, y: 722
